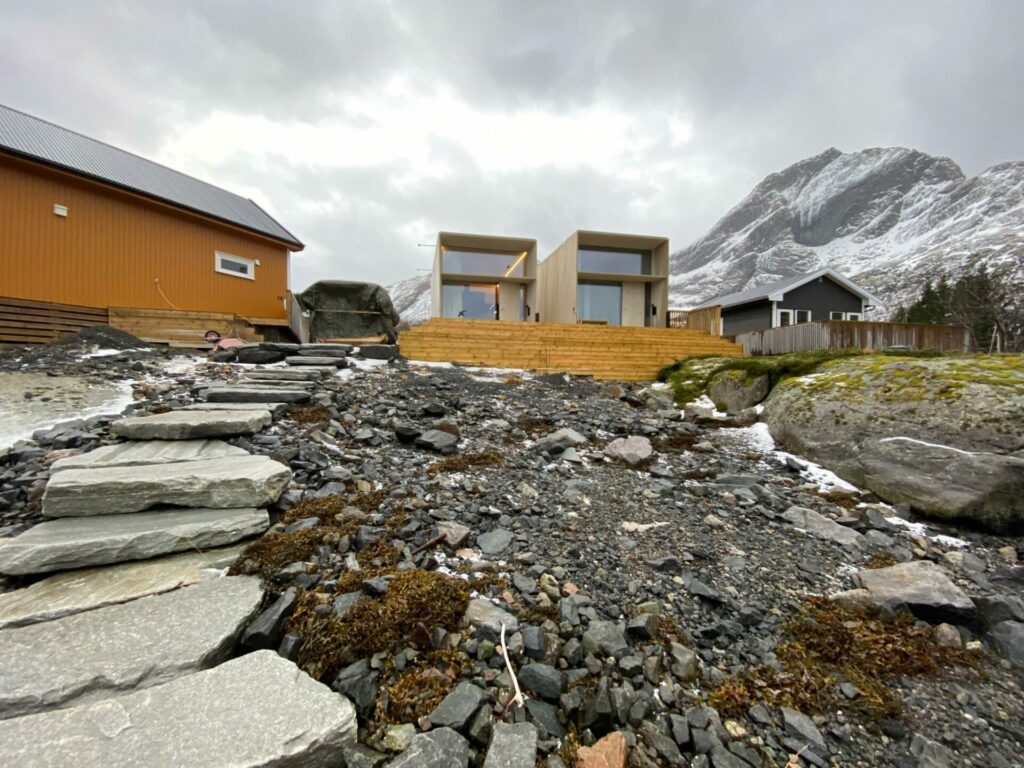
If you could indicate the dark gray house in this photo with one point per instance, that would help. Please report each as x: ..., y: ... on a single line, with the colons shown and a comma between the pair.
x: 820, y: 295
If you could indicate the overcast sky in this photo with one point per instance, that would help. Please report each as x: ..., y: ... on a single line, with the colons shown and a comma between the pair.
x: 366, y: 127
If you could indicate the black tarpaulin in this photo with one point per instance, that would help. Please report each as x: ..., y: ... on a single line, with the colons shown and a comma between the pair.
x: 340, y: 309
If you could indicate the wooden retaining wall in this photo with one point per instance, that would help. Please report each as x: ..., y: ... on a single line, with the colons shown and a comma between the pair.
x: 39, y: 322
x: 844, y: 334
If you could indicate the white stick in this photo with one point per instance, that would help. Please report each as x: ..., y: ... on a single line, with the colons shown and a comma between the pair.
x: 519, y: 698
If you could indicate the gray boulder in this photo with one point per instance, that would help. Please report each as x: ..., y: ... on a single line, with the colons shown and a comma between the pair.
x: 1007, y: 637
x: 257, y: 354
x: 494, y: 542
x: 558, y: 441
x: 436, y: 440
x: 631, y: 450
x: 821, y: 527
x: 921, y: 586
x: 486, y: 618
x: 736, y: 391
x: 606, y: 638
x: 99, y: 654
x: 939, y: 434
x: 189, y: 425
x: 379, y: 351
x: 78, y: 542
x: 255, y: 711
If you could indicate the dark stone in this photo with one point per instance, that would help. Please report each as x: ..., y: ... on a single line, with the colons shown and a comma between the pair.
x: 255, y: 354
x: 800, y: 726
x: 290, y: 645
x: 533, y: 642
x: 643, y: 626
x: 605, y: 637
x: 436, y: 440
x: 680, y: 730
x: 343, y: 603
x: 543, y: 680
x: 456, y: 709
x: 546, y: 717
x: 1007, y: 637
x: 375, y: 587
x: 378, y: 351
x: 438, y: 748
x: 359, y: 683
x: 434, y: 409
x: 407, y: 433
x: 266, y: 630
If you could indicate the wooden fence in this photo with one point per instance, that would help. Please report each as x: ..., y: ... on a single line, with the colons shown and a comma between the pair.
x: 38, y: 322
x: 708, y: 319
x: 844, y: 334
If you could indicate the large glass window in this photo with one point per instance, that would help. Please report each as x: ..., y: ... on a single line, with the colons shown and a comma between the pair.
x: 490, y: 263
x: 599, y: 302
x: 614, y: 262
x: 471, y: 301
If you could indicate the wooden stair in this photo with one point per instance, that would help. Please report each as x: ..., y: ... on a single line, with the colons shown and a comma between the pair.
x: 602, y: 351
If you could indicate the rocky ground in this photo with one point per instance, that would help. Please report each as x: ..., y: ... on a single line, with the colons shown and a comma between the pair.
x: 656, y: 594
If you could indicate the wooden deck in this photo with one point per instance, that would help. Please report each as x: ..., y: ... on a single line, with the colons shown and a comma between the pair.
x: 39, y: 322
x: 601, y: 351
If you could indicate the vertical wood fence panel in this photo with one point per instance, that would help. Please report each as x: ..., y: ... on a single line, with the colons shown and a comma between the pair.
x: 844, y: 334
x: 708, y: 319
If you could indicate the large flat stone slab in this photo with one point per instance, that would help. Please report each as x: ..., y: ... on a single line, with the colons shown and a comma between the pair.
x: 80, y: 542
x: 137, y: 453
x: 821, y: 527
x: 255, y: 394
x: 316, y: 361
x: 257, y: 711
x: 235, y: 481
x: 103, y: 653
x: 287, y: 374
x: 189, y: 425
x: 89, y: 588
x: 275, y: 408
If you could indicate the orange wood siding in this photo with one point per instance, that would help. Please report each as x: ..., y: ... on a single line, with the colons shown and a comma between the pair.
x: 113, y: 245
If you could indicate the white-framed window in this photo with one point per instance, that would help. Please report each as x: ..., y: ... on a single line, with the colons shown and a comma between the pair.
x: 836, y: 315
x: 853, y: 315
x: 803, y: 316
x: 785, y: 317
x: 235, y: 266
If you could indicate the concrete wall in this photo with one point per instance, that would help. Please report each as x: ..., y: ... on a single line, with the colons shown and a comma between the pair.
x: 821, y: 297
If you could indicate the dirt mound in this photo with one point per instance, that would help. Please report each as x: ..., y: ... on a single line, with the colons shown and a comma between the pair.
x: 102, y: 336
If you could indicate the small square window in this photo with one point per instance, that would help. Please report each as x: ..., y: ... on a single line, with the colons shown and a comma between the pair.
x: 836, y: 316
x: 803, y: 315
x: 235, y: 266
x: 853, y: 315
x: 785, y: 317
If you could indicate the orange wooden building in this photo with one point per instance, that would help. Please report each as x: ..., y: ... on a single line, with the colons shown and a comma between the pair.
x: 84, y: 225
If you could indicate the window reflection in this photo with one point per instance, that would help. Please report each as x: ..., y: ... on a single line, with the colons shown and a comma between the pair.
x: 490, y: 263
x: 599, y: 302
x: 614, y: 262
x: 470, y: 301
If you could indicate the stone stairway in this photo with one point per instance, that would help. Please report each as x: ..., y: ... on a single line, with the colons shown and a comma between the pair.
x: 122, y: 654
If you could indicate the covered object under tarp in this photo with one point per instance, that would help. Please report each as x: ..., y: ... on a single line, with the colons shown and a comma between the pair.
x: 342, y: 310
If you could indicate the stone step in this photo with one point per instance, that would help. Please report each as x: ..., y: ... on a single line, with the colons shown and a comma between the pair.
x: 236, y: 481
x: 80, y: 542
x: 329, y: 350
x: 288, y: 374
x: 255, y: 394
x: 149, y: 452
x: 189, y: 425
x: 263, y: 384
x: 276, y: 409
x: 84, y: 590
x: 255, y: 711
x: 303, y: 360
x: 103, y: 653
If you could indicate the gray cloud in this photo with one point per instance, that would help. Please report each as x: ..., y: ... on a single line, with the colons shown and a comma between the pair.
x: 720, y: 94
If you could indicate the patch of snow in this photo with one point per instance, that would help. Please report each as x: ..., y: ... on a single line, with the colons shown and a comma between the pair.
x: 951, y: 541
x: 826, y: 479
x: 706, y: 402
x: 756, y: 437
x: 366, y: 365
x: 97, y: 352
x: 929, y: 445
x: 659, y: 385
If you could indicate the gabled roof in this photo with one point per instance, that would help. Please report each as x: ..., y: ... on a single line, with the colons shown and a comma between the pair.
x: 777, y: 290
x: 35, y: 139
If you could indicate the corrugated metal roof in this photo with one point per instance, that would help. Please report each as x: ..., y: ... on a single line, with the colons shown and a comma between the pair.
x: 775, y: 290
x: 37, y: 139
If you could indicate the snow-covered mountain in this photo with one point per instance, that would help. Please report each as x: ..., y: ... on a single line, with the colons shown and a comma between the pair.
x: 411, y: 298
x: 890, y: 218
